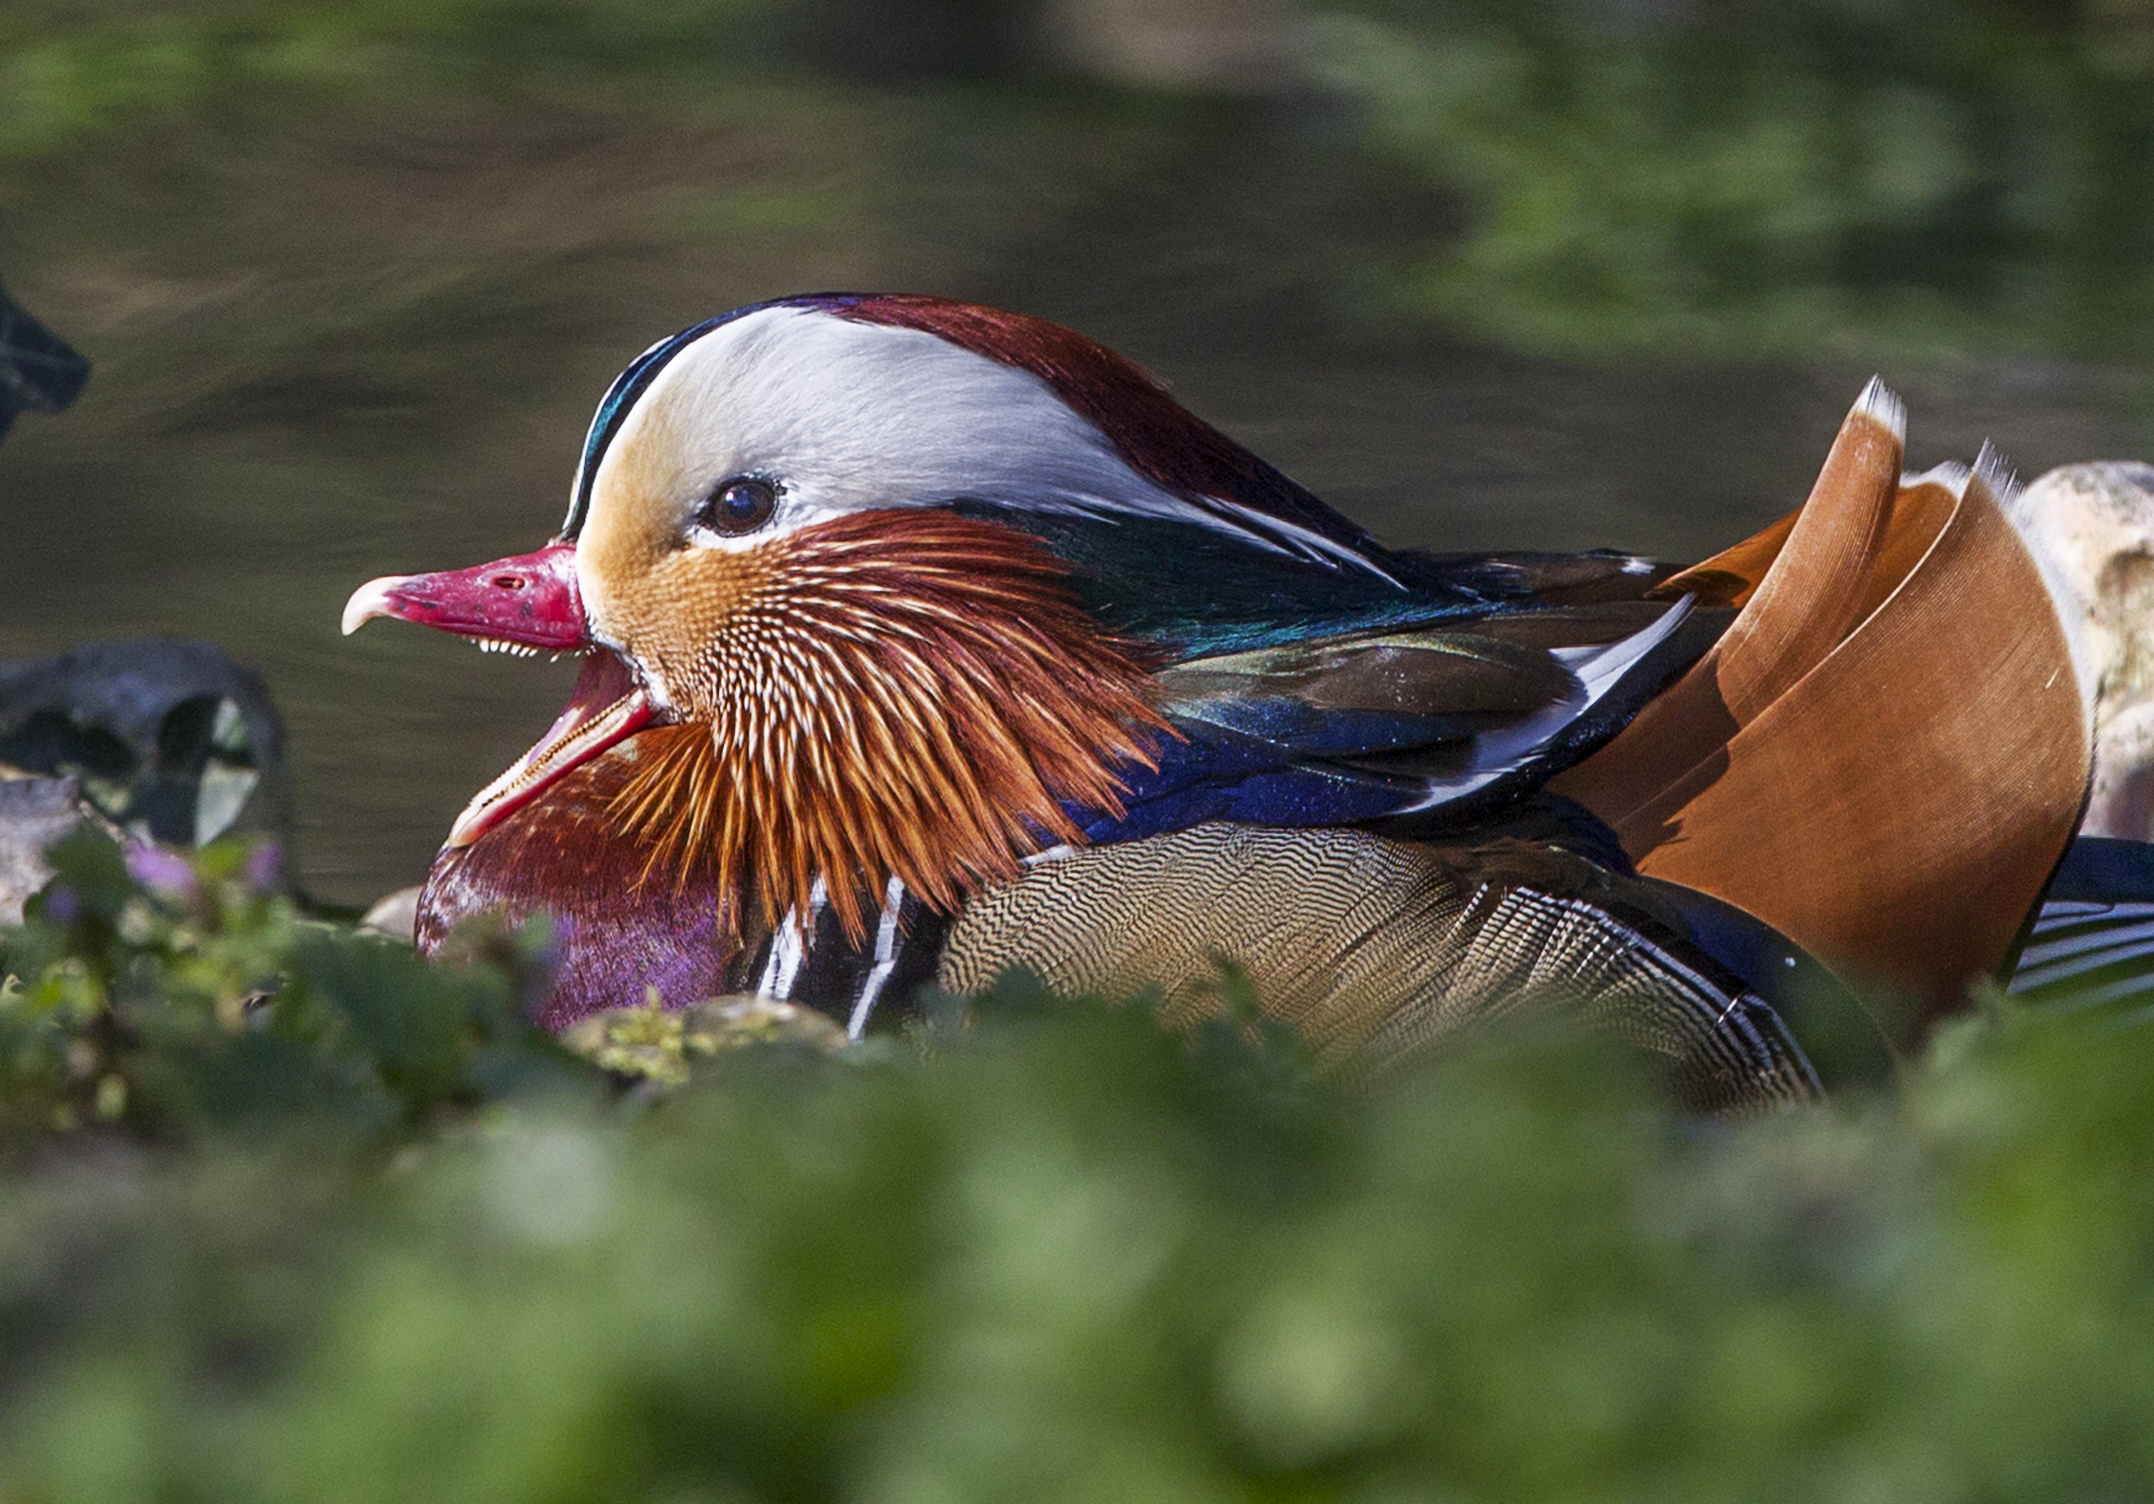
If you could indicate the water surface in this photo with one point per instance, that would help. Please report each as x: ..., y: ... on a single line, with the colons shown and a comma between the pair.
x: 362, y: 340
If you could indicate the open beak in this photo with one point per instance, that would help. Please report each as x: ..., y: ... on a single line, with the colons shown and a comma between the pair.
x: 527, y: 604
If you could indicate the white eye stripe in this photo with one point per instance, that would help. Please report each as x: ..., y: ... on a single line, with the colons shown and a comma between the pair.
x: 699, y: 536
x: 857, y: 416
x: 860, y: 416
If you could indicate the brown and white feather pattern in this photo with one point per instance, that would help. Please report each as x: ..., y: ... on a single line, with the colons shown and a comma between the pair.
x: 907, y: 695
x: 1382, y: 952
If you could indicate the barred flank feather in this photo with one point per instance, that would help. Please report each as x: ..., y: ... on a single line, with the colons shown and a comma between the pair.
x: 907, y: 695
x: 1383, y: 952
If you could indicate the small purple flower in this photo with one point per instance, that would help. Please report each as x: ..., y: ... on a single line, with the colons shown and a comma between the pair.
x: 264, y: 868
x: 61, y: 905
x: 165, y: 873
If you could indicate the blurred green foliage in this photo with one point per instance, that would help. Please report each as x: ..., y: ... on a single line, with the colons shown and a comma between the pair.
x: 1039, y: 1250
x: 1915, y: 177
x: 1918, y: 175
x: 72, y: 70
x: 158, y: 998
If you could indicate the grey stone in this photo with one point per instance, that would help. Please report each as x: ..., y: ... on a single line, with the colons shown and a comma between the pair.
x: 172, y: 741
x: 394, y: 917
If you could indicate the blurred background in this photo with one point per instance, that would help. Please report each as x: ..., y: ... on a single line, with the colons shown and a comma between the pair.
x: 1546, y: 273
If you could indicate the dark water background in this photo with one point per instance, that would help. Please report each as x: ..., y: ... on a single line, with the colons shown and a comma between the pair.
x: 1549, y: 276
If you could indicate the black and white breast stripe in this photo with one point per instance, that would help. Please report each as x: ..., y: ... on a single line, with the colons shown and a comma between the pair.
x: 862, y: 987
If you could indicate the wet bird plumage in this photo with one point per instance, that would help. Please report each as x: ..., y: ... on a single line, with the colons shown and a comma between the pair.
x: 1013, y: 601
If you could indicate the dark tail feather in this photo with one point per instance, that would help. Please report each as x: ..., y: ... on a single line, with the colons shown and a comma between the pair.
x: 37, y: 369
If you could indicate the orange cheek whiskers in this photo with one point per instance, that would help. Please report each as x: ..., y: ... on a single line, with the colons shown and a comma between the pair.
x: 909, y: 695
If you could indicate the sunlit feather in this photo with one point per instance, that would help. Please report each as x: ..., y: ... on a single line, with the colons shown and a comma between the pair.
x: 912, y: 696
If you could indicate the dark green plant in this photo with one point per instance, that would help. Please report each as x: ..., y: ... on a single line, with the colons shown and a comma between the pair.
x: 163, y: 996
x: 1909, y: 176
x: 1039, y: 1250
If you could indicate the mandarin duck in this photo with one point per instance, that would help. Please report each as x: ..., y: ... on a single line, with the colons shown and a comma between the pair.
x: 922, y: 641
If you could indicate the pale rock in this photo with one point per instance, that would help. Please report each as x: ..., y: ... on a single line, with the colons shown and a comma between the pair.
x: 2094, y: 524
x: 394, y: 917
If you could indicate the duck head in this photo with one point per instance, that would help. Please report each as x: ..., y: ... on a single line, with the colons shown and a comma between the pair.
x: 826, y: 559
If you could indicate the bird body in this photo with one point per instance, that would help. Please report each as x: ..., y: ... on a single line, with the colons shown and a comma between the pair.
x: 910, y: 624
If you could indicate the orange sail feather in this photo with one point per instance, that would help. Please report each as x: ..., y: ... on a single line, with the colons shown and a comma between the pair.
x: 1886, y: 754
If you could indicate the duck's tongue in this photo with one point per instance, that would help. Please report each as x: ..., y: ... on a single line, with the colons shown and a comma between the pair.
x: 529, y: 603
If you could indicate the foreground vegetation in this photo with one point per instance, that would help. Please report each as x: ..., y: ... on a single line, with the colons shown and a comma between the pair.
x: 287, y: 1215
x: 369, y: 1238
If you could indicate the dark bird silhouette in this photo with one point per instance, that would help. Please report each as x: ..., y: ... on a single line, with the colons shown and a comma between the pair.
x: 37, y: 369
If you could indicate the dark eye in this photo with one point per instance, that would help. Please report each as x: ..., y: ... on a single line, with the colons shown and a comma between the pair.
x: 740, y: 505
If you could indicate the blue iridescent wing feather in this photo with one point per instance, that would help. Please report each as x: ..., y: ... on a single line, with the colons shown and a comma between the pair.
x: 1302, y: 692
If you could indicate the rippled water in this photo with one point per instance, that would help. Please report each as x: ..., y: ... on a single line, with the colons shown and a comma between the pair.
x: 360, y: 344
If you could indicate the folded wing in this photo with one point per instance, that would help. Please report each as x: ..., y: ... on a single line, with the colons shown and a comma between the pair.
x: 1435, y: 724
